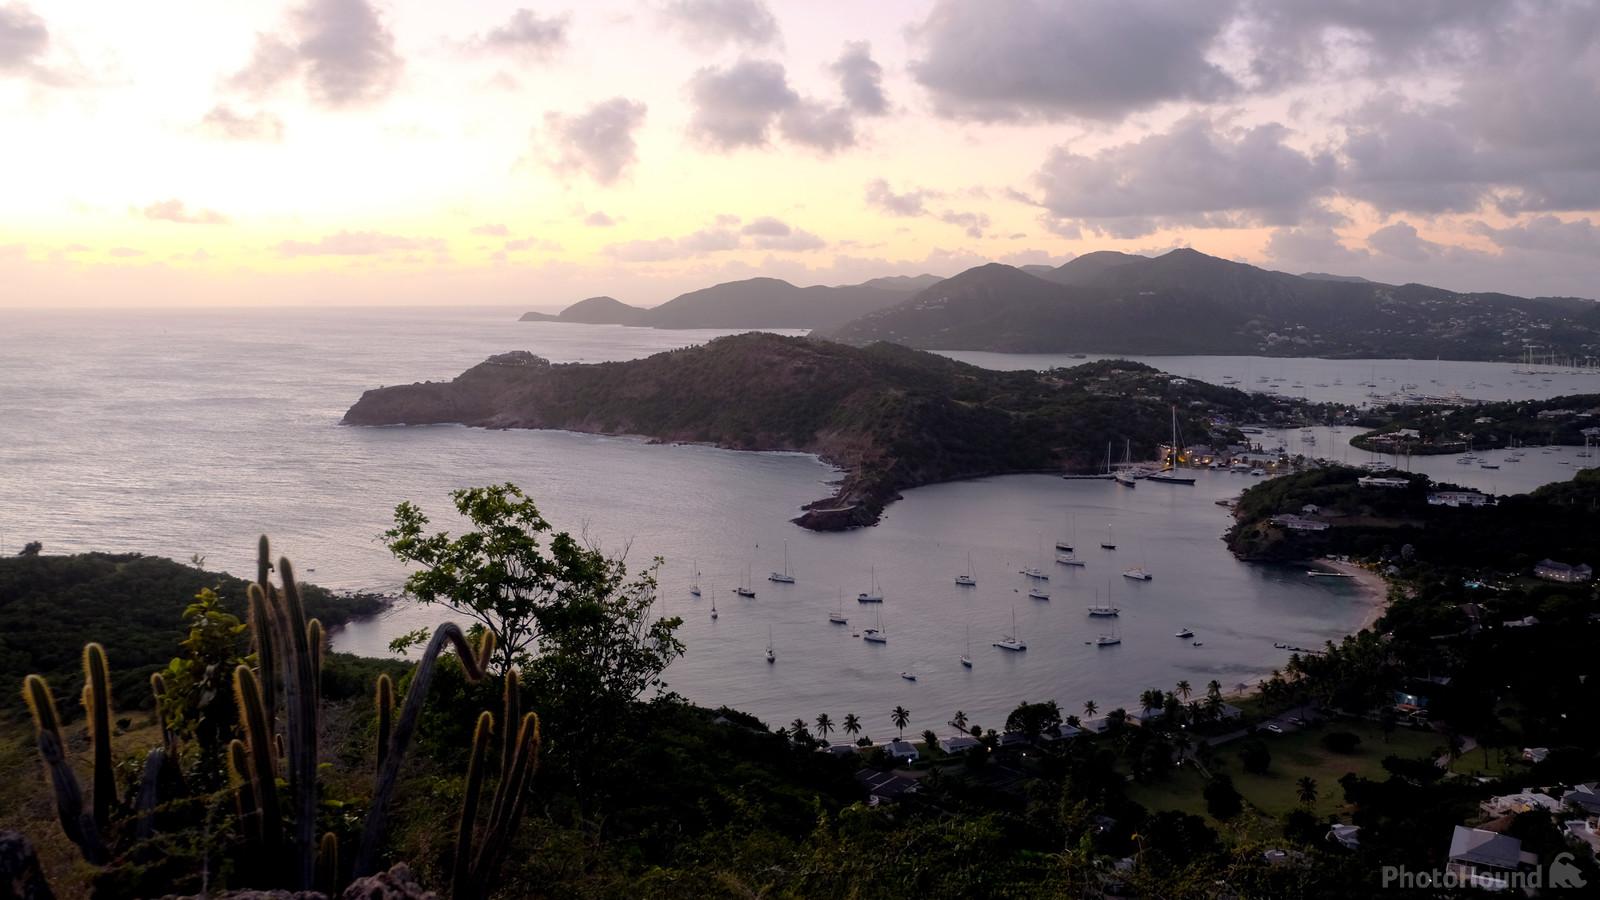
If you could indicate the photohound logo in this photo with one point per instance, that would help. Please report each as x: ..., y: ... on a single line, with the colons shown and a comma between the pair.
x: 1563, y: 874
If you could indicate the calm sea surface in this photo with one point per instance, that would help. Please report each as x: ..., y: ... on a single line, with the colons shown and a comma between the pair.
x: 176, y: 433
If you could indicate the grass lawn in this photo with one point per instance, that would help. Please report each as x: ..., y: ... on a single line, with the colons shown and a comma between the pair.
x: 1293, y: 755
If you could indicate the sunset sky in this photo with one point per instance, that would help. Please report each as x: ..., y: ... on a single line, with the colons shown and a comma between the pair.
x: 354, y: 152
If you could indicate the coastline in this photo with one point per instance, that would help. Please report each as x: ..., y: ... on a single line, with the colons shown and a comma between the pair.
x: 1373, y: 586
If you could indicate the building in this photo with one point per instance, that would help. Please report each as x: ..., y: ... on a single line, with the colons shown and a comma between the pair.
x: 961, y: 743
x: 1527, y: 801
x: 904, y: 751
x: 884, y: 787
x: 1486, y: 860
x: 1584, y: 798
x: 1557, y: 413
x: 1535, y: 754
x: 1458, y: 498
x: 1299, y: 523
x: 1347, y: 836
x: 1380, y: 482
x: 1550, y: 570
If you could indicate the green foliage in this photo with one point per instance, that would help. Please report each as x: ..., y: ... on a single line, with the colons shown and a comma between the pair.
x: 1222, y: 798
x: 1035, y: 719
x: 1254, y: 756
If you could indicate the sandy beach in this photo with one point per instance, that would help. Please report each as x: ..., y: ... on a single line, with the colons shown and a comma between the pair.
x: 1373, y: 586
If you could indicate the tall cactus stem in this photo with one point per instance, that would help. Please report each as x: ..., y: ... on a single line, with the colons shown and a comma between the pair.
x: 477, y: 763
x: 258, y: 740
x: 405, y: 726
x: 262, y: 638
x: 97, y: 703
x: 328, y: 864
x: 385, y: 703
x: 77, y: 824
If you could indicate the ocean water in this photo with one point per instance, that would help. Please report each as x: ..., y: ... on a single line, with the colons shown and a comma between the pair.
x: 179, y: 433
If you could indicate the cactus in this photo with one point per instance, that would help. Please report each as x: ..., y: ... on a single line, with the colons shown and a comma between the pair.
x: 258, y: 740
x: 316, y: 640
x: 328, y: 864
x: 300, y: 714
x: 477, y: 762
x: 404, y: 727
x: 511, y: 797
x: 97, y: 703
x: 243, y: 794
x: 385, y: 703
x: 149, y: 793
x: 511, y: 713
x: 158, y: 689
x: 78, y: 825
x: 261, y: 636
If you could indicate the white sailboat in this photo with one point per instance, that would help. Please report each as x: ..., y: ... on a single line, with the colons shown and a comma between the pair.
x: 1110, y: 543
x: 873, y: 596
x: 1108, y: 640
x: 744, y: 589
x: 713, y: 607
x: 837, y: 616
x: 1038, y: 593
x: 772, y: 655
x: 1065, y: 544
x: 968, y: 579
x: 966, y: 658
x: 1137, y: 573
x: 1067, y: 559
x: 786, y: 576
x: 875, y: 635
x: 1104, y: 610
x: 1184, y: 632
x: 694, y: 587
x: 1011, y: 641
x: 1036, y: 572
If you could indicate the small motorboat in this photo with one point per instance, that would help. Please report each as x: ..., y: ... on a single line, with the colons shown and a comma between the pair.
x: 1185, y: 633
x: 1038, y: 594
x: 908, y: 676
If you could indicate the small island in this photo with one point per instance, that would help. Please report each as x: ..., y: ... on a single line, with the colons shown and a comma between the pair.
x: 890, y: 417
x: 1434, y: 429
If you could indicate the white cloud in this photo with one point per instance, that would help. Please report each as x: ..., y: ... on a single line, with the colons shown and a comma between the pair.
x: 341, y: 48
x: 599, y: 141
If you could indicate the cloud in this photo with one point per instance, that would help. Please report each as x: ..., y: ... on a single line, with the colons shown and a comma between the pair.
x: 768, y: 233
x: 528, y: 35
x: 910, y: 203
x: 223, y: 121
x: 24, y: 40
x: 708, y: 240
x: 710, y: 24
x: 1401, y: 241
x: 815, y: 125
x: 341, y: 48
x: 124, y: 252
x: 529, y: 243
x: 861, y: 79
x: 737, y: 106
x: 1315, y: 247
x: 598, y: 219
x: 972, y: 222
x: 359, y: 243
x: 174, y: 210
x: 1043, y: 59
x: 491, y: 230
x: 1546, y: 234
x: 598, y: 142
x: 1195, y: 174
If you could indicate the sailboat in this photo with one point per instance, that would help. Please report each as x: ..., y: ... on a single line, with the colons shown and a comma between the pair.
x: 837, y: 616
x: 1038, y: 593
x: 1036, y: 572
x: 1137, y: 573
x: 1109, y: 640
x: 1110, y: 543
x: 1104, y: 610
x: 786, y: 576
x: 966, y: 658
x: 694, y: 588
x: 875, y: 635
x: 1067, y: 559
x: 1126, y: 476
x: 772, y: 656
x: 873, y: 596
x: 745, y: 590
x: 967, y: 580
x: 713, y: 607
x: 1011, y: 641
x: 1169, y: 475
x: 1065, y: 544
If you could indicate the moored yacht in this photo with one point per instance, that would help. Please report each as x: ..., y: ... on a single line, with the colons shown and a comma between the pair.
x: 1137, y: 573
x: 875, y: 595
x: 1184, y: 633
x: 786, y: 576
x: 1011, y: 641
x: 1038, y: 593
x: 837, y: 616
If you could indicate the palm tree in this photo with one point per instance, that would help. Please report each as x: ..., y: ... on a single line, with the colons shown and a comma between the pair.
x: 1307, y: 787
x: 1183, y: 690
x: 824, y: 725
x: 852, y: 724
x: 798, y: 729
x: 959, y: 721
x: 901, y: 718
x: 930, y: 740
x: 1090, y: 708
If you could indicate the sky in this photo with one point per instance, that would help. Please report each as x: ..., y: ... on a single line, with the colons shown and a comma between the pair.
x: 340, y: 152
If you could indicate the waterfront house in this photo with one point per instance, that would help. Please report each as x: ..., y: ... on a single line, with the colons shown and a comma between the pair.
x: 1299, y: 523
x: 1551, y: 570
x: 1535, y: 754
x: 1525, y: 801
x: 1346, y: 836
x: 1584, y: 798
x: 1458, y: 498
x: 960, y: 743
x: 1381, y: 482
x: 902, y: 751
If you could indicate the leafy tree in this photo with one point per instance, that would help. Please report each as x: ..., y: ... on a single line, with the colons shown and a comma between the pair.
x: 1222, y: 798
x: 198, y: 700
x: 901, y: 718
x: 1035, y: 719
x: 1255, y: 756
x: 930, y: 740
x: 31, y: 548
x: 852, y: 724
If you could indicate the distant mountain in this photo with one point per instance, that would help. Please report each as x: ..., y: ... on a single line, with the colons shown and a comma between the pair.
x: 1185, y: 302
x: 751, y: 303
x: 1324, y: 276
x: 892, y: 418
x: 594, y: 311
